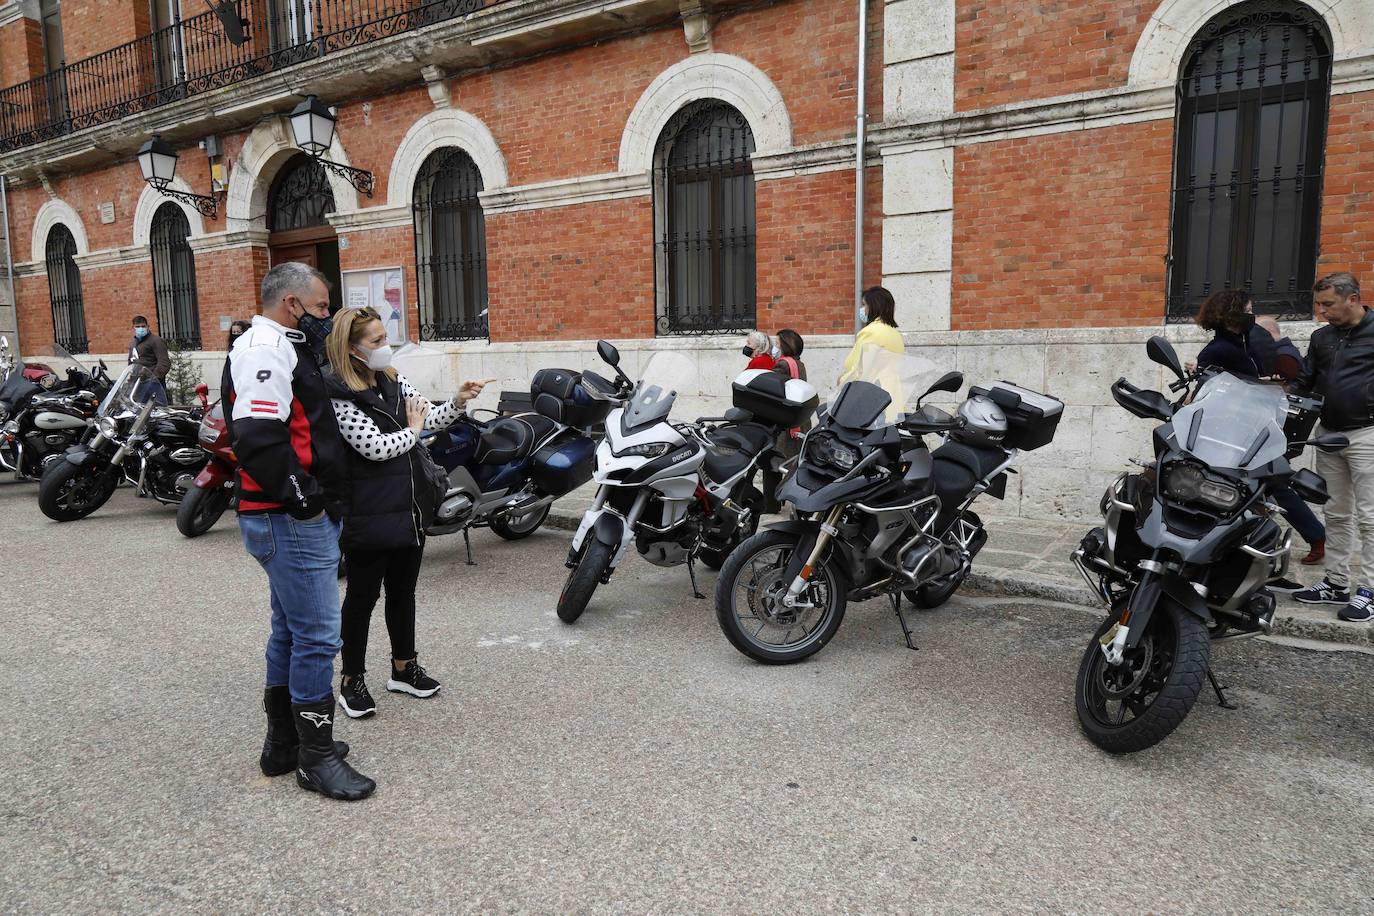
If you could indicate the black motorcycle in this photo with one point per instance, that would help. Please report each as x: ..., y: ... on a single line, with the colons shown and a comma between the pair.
x: 39, y: 422
x: 1188, y: 546
x: 154, y: 448
x: 877, y: 512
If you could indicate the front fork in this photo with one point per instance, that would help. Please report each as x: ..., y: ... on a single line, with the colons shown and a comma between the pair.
x: 803, y: 577
x: 1135, y: 616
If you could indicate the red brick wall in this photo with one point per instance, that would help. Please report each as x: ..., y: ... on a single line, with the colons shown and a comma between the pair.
x: 806, y: 250
x: 92, y: 26
x: 1014, y: 50
x: 34, y: 309
x: 227, y: 284
x: 1081, y: 245
x: 572, y: 273
x: 1348, y: 188
x: 21, y: 51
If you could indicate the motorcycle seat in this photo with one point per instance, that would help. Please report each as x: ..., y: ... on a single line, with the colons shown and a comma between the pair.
x: 508, y: 439
x: 750, y: 438
x: 958, y: 467
x: 723, y: 463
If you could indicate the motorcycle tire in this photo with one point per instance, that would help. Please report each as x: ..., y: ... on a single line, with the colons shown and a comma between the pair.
x: 1176, y: 651
x: 715, y: 559
x: 521, y: 527
x: 740, y: 563
x: 68, y: 492
x: 583, y: 579
x: 200, y: 509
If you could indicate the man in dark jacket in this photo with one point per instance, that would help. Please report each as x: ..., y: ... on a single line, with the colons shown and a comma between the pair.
x: 1340, y: 368
x: 150, y: 352
x: 290, y: 481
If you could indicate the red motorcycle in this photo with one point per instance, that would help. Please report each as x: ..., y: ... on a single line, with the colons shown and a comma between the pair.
x: 213, y: 490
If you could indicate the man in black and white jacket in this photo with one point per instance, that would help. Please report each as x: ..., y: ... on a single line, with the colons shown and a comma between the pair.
x: 290, y: 481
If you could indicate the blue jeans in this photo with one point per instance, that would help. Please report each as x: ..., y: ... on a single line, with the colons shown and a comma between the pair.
x: 152, y: 390
x: 1300, y: 516
x: 302, y: 564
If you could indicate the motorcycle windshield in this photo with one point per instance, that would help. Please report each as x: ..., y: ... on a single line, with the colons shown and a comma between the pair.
x: 666, y: 372
x: 901, y: 377
x: 57, y: 356
x: 1233, y: 423
x: 16, y: 388
x: 127, y: 393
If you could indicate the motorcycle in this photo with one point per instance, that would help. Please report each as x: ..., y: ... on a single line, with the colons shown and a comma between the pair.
x: 39, y: 421
x: 679, y: 491
x: 212, y: 491
x: 877, y: 512
x: 506, y: 472
x: 153, y: 448
x: 1187, y: 546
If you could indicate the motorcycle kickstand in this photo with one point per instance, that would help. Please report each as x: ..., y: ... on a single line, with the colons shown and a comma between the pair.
x: 467, y: 545
x: 901, y: 618
x: 692, y: 576
x: 1222, y: 701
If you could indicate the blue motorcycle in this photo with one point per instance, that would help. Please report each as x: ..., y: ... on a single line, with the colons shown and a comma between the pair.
x: 505, y: 472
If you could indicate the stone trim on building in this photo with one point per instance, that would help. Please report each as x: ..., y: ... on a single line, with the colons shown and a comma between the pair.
x: 151, y: 199
x: 438, y: 130
x: 266, y: 150
x: 54, y: 211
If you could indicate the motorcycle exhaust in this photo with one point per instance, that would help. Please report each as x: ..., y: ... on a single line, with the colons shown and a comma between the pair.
x: 524, y: 508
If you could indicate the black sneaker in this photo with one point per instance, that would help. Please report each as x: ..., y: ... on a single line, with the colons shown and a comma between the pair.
x: 1323, y: 593
x: 1285, y: 585
x: 413, y: 681
x: 1360, y: 608
x: 355, y: 698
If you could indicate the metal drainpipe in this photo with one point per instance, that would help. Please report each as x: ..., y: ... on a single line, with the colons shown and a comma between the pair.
x: 9, y: 264
x: 860, y: 119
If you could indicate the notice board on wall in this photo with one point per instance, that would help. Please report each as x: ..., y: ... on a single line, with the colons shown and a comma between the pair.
x: 384, y: 289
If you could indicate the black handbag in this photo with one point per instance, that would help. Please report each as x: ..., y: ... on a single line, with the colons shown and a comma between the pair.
x: 431, y: 485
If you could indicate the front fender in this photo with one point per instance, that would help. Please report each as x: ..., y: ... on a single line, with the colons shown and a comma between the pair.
x: 1146, y: 598
x: 215, y: 474
x: 79, y: 455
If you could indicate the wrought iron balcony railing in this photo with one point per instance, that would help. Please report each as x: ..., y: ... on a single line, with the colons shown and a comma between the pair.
x: 195, y: 56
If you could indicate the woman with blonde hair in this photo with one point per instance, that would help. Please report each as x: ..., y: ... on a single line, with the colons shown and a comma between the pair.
x: 380, y: 417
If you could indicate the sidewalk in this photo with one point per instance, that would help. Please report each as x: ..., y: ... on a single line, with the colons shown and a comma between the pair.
x: 1031, y: 558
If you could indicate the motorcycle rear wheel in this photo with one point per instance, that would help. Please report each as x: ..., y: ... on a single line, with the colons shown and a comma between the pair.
x: 69, y: 492
x: 583, y: 579
x: 200, y: 509
x: 1155, y: 686
x: 519, y: 527
x: 760, y: 589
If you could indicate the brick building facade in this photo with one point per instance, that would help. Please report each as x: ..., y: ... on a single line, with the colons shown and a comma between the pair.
x: 1021, y: 167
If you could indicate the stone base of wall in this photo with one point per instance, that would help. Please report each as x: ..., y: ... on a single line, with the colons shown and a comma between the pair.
x: 1095, y: 442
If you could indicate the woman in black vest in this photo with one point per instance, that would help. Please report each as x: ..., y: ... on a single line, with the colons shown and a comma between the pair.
x: 381, y: 416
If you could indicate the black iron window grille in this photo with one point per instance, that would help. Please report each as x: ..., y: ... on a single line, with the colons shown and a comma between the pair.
x: 450, y: 248
x: 195, y: 55
x: 1250, y: 142
x: 174, y: 278
x: 704, y: 218
x: 64, y: 289
x: 301, y: 197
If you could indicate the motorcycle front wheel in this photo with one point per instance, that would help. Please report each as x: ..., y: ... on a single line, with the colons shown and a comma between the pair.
x: 200, y: 509
x: 583, y: 579
x: 68, y: 492
x: 1135, y: 705
x: 749, y: 604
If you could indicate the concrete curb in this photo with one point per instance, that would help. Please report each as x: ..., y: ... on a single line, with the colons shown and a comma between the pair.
x: 1017, y: 584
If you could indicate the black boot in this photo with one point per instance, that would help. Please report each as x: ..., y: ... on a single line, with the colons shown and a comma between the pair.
x: 279, y: 750
x: 319, y: 767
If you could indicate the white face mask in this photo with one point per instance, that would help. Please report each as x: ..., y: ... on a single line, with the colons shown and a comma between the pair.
x: 863, y: 314
x: 776, y: 353
x: 377, y: 359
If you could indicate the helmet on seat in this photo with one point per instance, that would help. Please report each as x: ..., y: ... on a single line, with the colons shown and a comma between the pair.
x: 984, y: 423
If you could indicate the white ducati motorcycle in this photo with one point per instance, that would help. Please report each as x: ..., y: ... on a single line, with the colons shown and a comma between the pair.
x: 678, y: 491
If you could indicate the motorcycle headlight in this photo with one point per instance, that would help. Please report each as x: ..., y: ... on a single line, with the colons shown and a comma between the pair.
x: 1187, y: 482
x: 647, y: 450
x: 827, y: 450
x: 108, y: 427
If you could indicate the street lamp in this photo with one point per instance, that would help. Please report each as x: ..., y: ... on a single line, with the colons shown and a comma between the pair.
x: 158, y: 161
x: 312, y: 124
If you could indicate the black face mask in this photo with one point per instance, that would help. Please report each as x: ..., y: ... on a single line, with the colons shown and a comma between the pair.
x: 749, y: 351
x: 316, y: 331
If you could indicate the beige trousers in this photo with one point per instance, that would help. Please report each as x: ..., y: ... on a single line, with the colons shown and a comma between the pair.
x: 1349, y: 477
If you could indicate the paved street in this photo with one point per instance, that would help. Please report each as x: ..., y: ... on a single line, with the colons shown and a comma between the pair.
x: 636, y: 762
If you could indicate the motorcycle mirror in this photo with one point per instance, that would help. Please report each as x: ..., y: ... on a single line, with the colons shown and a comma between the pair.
x: 950, y: 381
x: 4, y: 342
x: 609, y: 354
x: 1162, y: 352
x: 1330, y: 442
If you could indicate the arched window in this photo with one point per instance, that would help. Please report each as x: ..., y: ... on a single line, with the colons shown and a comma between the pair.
x: 704, y: 217
x: 174, y: 278
x: 1249, y: 144
x: 301, y: 196
x: 64, y: 289
x: 450, y: 247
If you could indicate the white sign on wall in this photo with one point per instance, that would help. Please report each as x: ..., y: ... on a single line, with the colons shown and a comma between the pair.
x: 384, y: 290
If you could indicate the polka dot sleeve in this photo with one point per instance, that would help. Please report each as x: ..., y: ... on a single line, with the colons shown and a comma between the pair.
x: 363, y: 436
x: 440, y: 415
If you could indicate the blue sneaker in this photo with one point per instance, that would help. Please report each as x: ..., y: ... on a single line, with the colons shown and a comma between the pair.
x: 1360, y: 608
x: 1323, y: 593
